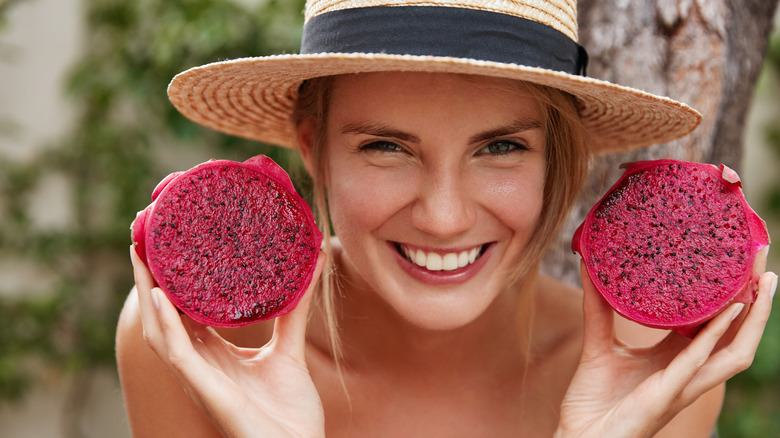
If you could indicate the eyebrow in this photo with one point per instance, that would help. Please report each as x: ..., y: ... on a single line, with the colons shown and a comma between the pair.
x: 515, y: 127
x: 380, y: 130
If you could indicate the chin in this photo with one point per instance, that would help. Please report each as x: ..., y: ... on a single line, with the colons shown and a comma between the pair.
x: 443, y: 309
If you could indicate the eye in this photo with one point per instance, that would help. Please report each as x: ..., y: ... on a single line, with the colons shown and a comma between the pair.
x: 501, y: 147
x: 381, y: 146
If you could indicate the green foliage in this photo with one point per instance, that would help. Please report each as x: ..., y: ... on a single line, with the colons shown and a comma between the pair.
x: 125, y: 138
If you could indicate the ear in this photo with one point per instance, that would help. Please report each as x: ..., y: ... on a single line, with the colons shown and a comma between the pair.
x: 306, y: 136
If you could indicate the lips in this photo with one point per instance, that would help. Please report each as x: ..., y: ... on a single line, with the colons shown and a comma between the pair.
x: 440, y: 261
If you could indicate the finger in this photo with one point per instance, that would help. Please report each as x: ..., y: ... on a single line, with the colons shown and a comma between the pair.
x: 677, y: 378
x: 146, y: 303
x: 175, y: 343
x: 172, y: 339
x: 739, y: 353
x: 290, y: 329
x: 599, y: 331
x: 162, y: 325
x: 215, y: 349
x: 757, y: 316
x: 668, y: 348
x: 208, y: 344
x: 181, y: 348
x: 694, y: 356
x: 143, y: 278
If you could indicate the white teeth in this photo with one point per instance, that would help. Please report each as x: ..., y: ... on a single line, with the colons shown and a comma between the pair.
x: 420, y: 257
x: 463, y: 259
x: 437, y: 262
x: 473, y: 255
x: 433, y: 262
x: 449, y: 262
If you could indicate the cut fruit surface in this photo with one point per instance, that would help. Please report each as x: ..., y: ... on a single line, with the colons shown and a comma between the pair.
x: 672, y: 243
x: 229, y: 243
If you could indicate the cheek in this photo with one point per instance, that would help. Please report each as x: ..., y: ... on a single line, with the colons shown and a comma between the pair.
x: 361, y: 201
x: 516, y: 199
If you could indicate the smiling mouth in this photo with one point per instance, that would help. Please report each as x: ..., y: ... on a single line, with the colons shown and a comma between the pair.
x: 434, y: 261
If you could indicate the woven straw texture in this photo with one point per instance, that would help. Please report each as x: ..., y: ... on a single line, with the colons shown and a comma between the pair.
x: 253, y: 97
x: 558, y: 14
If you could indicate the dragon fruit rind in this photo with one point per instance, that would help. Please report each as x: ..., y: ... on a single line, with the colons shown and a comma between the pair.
x: 229, y: 243
x: 672, y: 243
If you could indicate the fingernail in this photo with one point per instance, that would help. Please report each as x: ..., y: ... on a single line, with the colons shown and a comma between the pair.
x: 773, y: 288
x: 737, y: 311
x: 155, y: 298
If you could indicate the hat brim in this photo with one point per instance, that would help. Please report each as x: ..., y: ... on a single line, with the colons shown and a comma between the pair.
x: 254, y: 97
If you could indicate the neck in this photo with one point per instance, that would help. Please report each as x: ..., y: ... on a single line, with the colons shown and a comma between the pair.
x: 375, y: 337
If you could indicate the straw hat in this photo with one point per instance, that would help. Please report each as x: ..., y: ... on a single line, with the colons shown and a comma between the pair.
x: 533, y: 40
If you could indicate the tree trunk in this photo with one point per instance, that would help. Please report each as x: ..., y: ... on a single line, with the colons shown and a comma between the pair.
x: 706, y: 53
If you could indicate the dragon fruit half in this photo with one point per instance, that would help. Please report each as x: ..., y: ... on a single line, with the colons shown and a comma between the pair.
x: 672, y: 243
x: 229, y: 243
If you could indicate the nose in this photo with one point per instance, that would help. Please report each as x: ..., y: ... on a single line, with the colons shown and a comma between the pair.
x: 444, y: 206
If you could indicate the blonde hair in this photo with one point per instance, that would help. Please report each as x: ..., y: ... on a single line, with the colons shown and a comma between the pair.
x: 567, y: 166
x: 567, y: 163
x: 312, y: 102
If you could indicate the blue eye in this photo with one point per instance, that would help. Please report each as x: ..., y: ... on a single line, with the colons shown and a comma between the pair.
x: 382, y: 145
x: 500, y: 147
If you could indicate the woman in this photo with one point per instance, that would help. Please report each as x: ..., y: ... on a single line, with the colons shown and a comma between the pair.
x: 443, y: 175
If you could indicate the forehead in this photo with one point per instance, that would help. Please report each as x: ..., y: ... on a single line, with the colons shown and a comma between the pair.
x: 430, y: 95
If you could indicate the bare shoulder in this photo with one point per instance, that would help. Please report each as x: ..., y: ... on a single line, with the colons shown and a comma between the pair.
x: 558, y: 304
x: 155, y: 402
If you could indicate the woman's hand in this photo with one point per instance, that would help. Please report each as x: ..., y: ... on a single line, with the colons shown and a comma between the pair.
x: 245, y: 392
x: 620, y: 391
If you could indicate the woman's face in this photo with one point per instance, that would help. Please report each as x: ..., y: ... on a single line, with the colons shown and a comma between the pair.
x: 435, y: 185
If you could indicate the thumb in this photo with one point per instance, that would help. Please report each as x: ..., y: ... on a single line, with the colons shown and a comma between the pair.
x: 290, y: 329
x: 599, y: 319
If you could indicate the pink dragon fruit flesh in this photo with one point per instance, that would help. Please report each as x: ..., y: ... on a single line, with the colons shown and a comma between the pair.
x: 672, y: 243
x: 229, y: 243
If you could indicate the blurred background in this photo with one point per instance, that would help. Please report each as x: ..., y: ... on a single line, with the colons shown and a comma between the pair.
x: 86, y: 132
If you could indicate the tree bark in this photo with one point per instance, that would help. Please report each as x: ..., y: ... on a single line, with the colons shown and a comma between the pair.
x: 706, y: 53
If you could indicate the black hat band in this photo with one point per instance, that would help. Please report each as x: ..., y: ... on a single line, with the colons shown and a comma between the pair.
x: 444, y: 31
